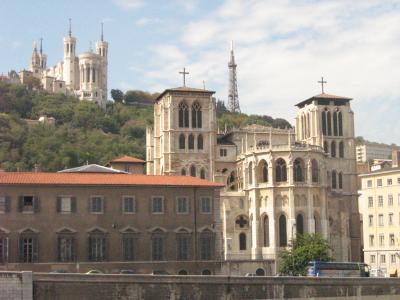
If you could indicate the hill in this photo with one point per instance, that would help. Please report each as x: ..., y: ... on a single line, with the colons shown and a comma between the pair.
x: 83, y: 132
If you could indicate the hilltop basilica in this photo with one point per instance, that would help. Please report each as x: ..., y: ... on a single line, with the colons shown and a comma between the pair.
x: 277, y: 182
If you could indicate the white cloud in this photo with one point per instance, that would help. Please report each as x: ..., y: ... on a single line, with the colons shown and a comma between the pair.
x: 129, y: 4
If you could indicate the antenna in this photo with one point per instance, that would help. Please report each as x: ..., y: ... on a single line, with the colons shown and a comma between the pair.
x: 70, y: 31
x: 233, y: 98
x: 102, y: 35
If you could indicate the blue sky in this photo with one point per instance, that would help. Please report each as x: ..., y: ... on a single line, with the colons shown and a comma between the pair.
x: 282, y: 49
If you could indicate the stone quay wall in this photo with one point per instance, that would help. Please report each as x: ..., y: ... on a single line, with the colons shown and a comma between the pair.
x: 15, y: 285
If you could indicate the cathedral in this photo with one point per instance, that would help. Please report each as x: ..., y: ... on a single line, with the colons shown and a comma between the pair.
x: 277, y: 182
x: 83, y: 75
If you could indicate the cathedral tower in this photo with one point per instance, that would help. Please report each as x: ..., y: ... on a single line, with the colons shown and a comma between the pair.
x: 102, y: 50
x: 42, y: 56
x: 70, y: 65
x: 233, y: 98
x: 35, y: 61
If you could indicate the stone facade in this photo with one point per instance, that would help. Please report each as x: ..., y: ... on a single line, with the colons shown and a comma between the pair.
x: 277, y: 181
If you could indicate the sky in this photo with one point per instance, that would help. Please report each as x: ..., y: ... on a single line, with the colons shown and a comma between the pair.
x: 282, y: 49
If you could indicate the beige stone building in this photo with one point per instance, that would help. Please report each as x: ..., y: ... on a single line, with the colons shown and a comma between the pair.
x: 277, y: 181
x: 109, y: 221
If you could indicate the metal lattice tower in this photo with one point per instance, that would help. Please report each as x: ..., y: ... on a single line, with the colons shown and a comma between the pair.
x: 233, y: 98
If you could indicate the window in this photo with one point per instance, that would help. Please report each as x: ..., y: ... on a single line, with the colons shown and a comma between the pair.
x: 391, y: 219
x: 280, y: 170
x: 390, y: 200
x: 335, y: 127
x: 314, y: 170
x: 391, y: 239
x: 370, y: 202
x: 129, y: 245
x: 264, y: 170
x: 191, y: 141
x: 157, y: 247
x: 223, y: 152
x: 340, y: 123
x: 193, y: 170
x: 242, y: 241
x: 334, y: 186
x: 371, y: 240
x: 341, y: 149
x: 333, y: 149
x: 66, y: 247
x: 182, y: 206
x: 182, y: 141
x: 66, y: 204
x: 97, y: 247
x: 157, y: 205
x: 183, y: 115
x: 329, y: 121
x: 381, y: 240
x: 196, y: 115
x: 298, y: 168
x: 28, y: 248
x: 383, y: 258
x: 205, y: 207
x: 129, y: 204
x: 3, y: 249
x: 28, y: 204
x: 393, y: 258
x: 326, y: 149
x: 389, y: 181
x: 250, y: 171
x: 369, y: 183
x: 372, y: 258
x: 96, y: 204
x: 206, y: 245
x: 182, y: 246
x: 340, y: 180
x: 370, y: 220
x: 380, y: 201
x: 4, y: 204
x: 282, y: 231
x: 266, y: 231
x: 200, y: 142
x: 299, y: 224
x: 202, y: 173
x: 379, y: 182
x: 380, y: 220
x: 323, y: 115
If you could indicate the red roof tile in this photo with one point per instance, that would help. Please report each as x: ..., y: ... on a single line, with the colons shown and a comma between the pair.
x: 127, y: 159
x: 33, y: 178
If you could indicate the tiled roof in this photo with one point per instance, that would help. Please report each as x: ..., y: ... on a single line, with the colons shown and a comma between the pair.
x: 322, y: 97
x: 127, y: 159
x: 93, y: 168
x: 103, y: 179
x: 184, y: 89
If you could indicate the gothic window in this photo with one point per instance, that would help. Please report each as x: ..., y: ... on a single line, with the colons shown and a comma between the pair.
x: 97, y: 246
x: 341, y: 149
x: 314, y: 170
x: 298, y: 169
x: 193, y: 170
x: 157, y: 245
x: 250, y: 170
x: 93, y: 75
x: 282, y: 231
x: 335, y: 124
x: 242, y: 222
x: 334, y: 179
x: 129, y: 245
x: 299, y: 224
x: 266, y: 231
x: 191, y: 141
x: 202, y: 173
x: 326, y: 148
x: 200, y: 142
x: 182, y: 246
x: 206, y: 245
x: 265, y: 173
x: 340, y: 180
x: 340, y: 123
x: 183, y: 172
x: 280, y: 170
x: 262, y: 171
x: 323, y: 122
x: 183, y: 115
x: 333, y: 149
x: 242, y: 241
x: 182, y: 141
x: 329, y: 121
x: 66, y: 247
x: 196, y: 115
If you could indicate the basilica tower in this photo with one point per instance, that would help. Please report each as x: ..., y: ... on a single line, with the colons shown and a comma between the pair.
x: 70, y: 66
x: 102, y: 50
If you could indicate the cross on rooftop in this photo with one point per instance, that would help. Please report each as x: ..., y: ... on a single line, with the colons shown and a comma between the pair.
x: 241, y: 222
x: 322, y: 83
x: 184, y: 73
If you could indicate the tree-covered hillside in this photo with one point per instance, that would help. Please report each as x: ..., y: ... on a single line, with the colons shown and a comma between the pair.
x: 83, y: 132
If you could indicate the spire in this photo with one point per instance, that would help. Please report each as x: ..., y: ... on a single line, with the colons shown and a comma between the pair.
x: 41, y: 46
x: 90, y: 46
x: 233, y: 98
x: 102, y: 35
x: 70, y: 31
x: 34, y: 46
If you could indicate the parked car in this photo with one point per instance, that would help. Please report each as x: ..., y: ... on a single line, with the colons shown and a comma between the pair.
x: 94, y: 272
x: 160, y: 272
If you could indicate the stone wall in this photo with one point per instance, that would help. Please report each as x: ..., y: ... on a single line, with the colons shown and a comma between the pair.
x: 15, y: 286
x: 124, y: 287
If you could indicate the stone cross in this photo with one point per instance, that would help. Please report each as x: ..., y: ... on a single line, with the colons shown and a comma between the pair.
x: 322, y: 83
x: 184, y: 73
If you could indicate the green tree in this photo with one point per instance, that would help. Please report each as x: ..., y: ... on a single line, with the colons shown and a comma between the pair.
x: 117, y: 95
x: 303, y: 249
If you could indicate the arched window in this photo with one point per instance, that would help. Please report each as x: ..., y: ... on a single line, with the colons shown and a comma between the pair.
x: 183, y: 172
x: 196, y: 115
x: 298, y: 168
x: 262, y: 171
x: 193, y: 170
x: 326, y: 148
x: 202, y: 173
x: 206, y: 272
x: 266, y: 231
x: 340, y: 123
x: 335, y: 125
x: 191, y: 141
x: 183, y: 115
x: 282, y: 231
x: 308, y: 125
x: 242, y: 241
x: 299, y: 224
x: 200, y: 142
x: 329, y: 121
x: 260, y: 272
x: 334, y: 179
x: 265, y: 173
x: 323, y: 122
x: 182, y: 141
x: 280, y: 170
x: 317, y: 223
x: 341, y: 149
x: 182, y: 272
x: 333, y: 149
x: 250, y: 170
x: 340, y: 180
x: 314, y: 171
